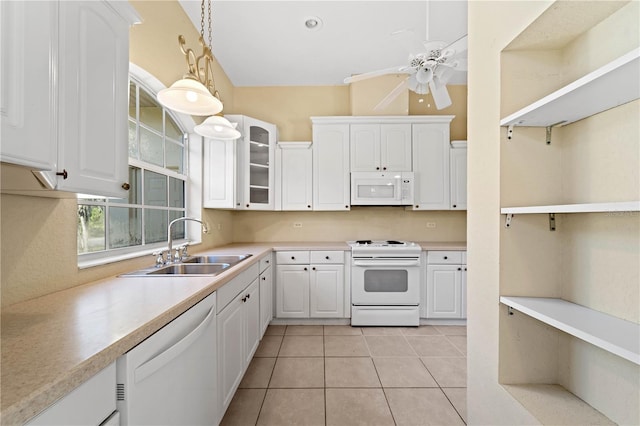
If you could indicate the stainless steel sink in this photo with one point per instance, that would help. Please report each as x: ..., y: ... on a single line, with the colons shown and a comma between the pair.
x: 231, y: 259
x: 196, y: 265
x: 190, y: 269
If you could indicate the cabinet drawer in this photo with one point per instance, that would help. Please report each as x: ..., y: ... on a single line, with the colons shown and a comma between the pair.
x: 292, y: 257
x: 444, y: 257
x: 335, y: 257
x: 265, y: 262
x: 230, y: 290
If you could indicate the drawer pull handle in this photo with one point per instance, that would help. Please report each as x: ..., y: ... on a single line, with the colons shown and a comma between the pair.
x: 314, y: 268
x: 326, y: 257
x: 305, y: 269
x: 293, y: 258
x: 446, y: 257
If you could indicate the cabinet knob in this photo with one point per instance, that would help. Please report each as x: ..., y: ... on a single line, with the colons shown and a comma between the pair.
x: 377, y: 168
x: 454, y: 206
x: 247, y: 205
x: 459, y: 269
x: 446, y: 257
x: 326, y: 257
x: 264, y: 278
x: 384, y: 168
x: 244, y: 299
x: 308, y: 206
x: 465, y: 268
x: 346, y: 207
x: 266, y: 261
x: 126, y: 186
x: 248, y: 296
x: 417, y: 207
x: 293, y: 258
x: 314, y: 268
x: 305, y: 269
x: 238, y: 204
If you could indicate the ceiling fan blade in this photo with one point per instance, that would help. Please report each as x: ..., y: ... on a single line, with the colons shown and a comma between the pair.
x: 456, y: 48
x: 440, y: 94
x: 400, y: 69
x: 409, y: 40
x: 397, y: 91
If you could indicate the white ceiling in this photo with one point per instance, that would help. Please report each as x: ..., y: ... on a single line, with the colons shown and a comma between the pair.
x: 265, y: 43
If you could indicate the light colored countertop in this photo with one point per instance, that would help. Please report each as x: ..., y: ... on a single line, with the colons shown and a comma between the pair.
x: 52, y: 344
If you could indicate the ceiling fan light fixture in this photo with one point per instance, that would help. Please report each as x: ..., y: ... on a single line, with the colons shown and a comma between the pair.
x: 217, y: 127
x: 189, y: 96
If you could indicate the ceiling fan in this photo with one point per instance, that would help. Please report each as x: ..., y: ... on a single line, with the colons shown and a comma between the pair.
x: 431, y: 66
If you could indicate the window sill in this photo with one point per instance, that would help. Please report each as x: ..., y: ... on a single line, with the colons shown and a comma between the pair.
x: 113, y: 258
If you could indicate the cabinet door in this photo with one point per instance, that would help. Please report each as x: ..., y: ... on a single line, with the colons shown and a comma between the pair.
x: 93, y: 98
x: 296, y: 168
x: 292, y: 291
x: 219, y: 170
x: 331, y: 186
x: 431, y: 166
x: 365, y: 147
x: 266, y: 299
x: 395, y: 147
x: 463, y: 278
x: 459, y: 179
x: 444, y: 291
x: 28, y: 98
x: 257, y: 166
x: 326, y: 291
x: 252, y: 322
x: 231, y: 342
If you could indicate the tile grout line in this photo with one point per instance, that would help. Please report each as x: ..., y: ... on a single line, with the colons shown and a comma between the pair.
x: 270, y: 376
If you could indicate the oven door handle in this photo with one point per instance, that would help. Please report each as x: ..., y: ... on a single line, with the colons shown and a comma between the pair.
x: 385, y: 262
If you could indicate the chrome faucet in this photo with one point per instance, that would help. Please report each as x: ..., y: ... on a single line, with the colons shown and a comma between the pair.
x: 170, y: 256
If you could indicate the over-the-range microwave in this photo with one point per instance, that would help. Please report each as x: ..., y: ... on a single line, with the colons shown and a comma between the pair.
x: 381, y: 188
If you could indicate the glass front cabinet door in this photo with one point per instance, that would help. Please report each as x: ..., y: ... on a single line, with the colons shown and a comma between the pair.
x: 256, y: 172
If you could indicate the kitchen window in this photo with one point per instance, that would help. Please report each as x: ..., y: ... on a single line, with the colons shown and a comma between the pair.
x: 109, y: 229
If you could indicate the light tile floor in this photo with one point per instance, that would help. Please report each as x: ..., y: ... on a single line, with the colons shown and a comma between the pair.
x: 341, y: 375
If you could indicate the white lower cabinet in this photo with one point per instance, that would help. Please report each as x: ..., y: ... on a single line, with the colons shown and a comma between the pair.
x: 446, y: 285
x: 310, y: 284
x: 92, y: 403
x: 239, y: 331
x: 326, y: 291
x: 266, y: 293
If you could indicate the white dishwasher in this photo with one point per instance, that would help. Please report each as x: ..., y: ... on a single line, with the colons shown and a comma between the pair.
x: 170, y: 378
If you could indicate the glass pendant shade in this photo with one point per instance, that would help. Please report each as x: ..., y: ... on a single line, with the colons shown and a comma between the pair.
x: 216, y: 127
x: 191, y: 97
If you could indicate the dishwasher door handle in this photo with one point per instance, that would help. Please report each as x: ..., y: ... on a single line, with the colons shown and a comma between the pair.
x: 162, y: 359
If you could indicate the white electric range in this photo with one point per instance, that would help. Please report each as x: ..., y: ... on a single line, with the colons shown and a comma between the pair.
x: 385, y: 283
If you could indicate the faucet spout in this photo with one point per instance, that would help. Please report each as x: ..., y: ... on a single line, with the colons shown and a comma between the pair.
x: 205, y: 229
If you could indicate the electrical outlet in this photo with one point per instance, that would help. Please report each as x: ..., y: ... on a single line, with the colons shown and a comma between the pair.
x: 297, y: 224
x: 431, y: 224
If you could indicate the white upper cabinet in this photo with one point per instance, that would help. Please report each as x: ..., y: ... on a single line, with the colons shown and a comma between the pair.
x: 431, y: 164
x: 66, y: 70
x: 28, y: 101
x: 458, y: 171
x: 294, y: 177
x: 219, y: 174
x: 380, y: 147
x: 256, y: 171
x: 331, y: 185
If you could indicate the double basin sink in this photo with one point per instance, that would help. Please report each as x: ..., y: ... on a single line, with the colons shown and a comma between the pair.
x: 192, y: 266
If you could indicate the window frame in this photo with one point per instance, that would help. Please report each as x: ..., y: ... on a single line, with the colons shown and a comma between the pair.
x: 192, y: 163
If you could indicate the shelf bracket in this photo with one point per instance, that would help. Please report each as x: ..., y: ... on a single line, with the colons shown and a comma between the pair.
x: 507, y: 220
x: 510, y: 131
x: 548, y: 128
x: 552, y: 221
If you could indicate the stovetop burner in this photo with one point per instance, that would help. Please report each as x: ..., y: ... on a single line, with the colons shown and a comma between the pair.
x: 379, y: 243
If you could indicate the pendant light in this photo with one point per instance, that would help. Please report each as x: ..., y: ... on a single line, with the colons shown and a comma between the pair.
x: 195, y: 93
x: 217, y: 127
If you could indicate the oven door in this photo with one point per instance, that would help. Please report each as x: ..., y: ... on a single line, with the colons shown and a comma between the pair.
x: 385, y: 281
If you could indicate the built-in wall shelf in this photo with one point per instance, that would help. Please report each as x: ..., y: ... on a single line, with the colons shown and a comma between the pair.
x: 623, y: 206
x: 611, y: 85
x: 607, y: 332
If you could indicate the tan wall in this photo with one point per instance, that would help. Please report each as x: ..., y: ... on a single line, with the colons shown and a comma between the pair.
x: 359, y: 223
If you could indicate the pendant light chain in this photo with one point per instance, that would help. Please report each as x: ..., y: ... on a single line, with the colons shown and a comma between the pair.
x: 213, y: 81
x: 202, y: 19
